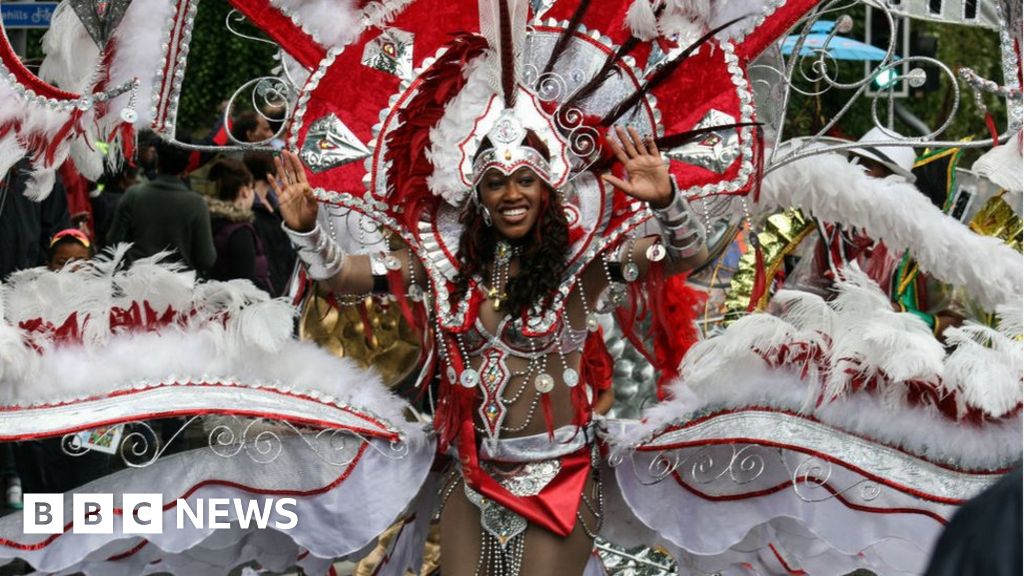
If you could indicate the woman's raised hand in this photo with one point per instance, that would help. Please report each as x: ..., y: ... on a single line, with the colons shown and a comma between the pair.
x: 294, y: 195
x: 646, y: 171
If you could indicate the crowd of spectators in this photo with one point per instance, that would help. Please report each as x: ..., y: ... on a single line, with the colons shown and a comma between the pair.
x: 214, y: 213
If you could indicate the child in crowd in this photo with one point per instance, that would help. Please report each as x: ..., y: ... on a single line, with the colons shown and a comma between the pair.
x: 66, y: 246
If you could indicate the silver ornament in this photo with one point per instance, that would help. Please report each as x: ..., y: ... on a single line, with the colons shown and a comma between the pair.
x: 656, y: 252
x: 544, y: 383
x: 571, y: 377
x: 469, y: 378
x: 416, y: 293
x: 630, y: 272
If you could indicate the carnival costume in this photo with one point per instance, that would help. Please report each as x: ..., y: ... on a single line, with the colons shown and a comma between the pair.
x: 804, y: 440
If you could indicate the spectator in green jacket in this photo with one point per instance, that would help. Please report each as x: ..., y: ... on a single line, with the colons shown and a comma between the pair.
x: 164, y: 214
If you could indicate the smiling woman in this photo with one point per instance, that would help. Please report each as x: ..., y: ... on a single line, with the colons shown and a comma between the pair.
x: 515, y: 208
x: 536, y: 473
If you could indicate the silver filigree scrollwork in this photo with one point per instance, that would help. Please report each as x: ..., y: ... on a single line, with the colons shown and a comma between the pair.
x: 261, y: 440
x: 703, y: 468
x: 812, y: 472
x: 225, y: 441
x: 549, y: 87
x: 264, y: 93
x: 745, y: 466
x: 584, y: 142
x: 812, y: 71
x: 870, y: 491
x: 140, y: 446
x: 660, y: 467
x: 812, y: 482
x: 232, y: 22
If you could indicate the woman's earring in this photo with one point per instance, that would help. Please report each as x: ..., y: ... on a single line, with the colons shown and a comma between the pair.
x: 486, y: 215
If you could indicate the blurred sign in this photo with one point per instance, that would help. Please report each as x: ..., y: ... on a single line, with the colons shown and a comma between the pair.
x: 27, y: 14
x: 970, y: 12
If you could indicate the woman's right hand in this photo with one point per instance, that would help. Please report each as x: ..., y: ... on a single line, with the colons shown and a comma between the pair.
x: 294, y: 195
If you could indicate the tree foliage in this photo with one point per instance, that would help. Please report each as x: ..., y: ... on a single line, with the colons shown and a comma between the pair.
x: 219, y: 63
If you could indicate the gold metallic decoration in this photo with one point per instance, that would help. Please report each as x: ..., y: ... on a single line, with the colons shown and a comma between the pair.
x: 369, y: 565
x: 496, y: 297
x: 782, y: 233
x: 997, y: 219
x: 391, y: 346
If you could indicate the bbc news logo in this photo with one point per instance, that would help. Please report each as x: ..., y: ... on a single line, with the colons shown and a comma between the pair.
x: 144, y: 513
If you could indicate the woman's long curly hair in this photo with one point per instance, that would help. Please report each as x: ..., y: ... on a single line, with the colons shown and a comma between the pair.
x: 542, y: 251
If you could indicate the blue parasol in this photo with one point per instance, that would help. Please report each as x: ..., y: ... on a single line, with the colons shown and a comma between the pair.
x: 840, y: 47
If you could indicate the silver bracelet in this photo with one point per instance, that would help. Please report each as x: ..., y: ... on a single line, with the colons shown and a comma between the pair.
x: 318, y: 251
x: 681, y: 232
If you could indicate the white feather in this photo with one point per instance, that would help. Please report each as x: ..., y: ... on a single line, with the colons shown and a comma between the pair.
x: 723, y: 11
x: 454, y: 126
x: 10, y: 104
x: 87, y: 159
x: 138, y: 54
x: 805, y: 311
x: 16, y: 359
x: 161, y: 283
x: 873, y: 341
x: 984, y: 369
x: 298, y: 74
x: 40, y: 183
x: 331, y: 23
x: 11, y: 152
x: 832, y: 189
x: 742, y: 344
x: 266, y: 325
x: 1011, y: 319
x: 73, y: 372
x: 687, y: 19
x: 641, y: 20
x: 860, y: 331
x: 223, y: 331
x: 378, y: 13
x: 71, y: 55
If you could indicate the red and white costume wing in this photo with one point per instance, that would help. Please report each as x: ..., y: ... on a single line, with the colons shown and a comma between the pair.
x: 835, y: 435
x: 276, y: 418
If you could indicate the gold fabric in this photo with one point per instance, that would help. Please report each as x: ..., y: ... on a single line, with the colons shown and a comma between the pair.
x: 782, y: 233
x: 431, y: 551
x: 391, y: 346
x: 997, y: 219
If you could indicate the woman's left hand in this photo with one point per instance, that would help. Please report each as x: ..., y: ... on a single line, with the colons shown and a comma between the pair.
x: 646, y: 171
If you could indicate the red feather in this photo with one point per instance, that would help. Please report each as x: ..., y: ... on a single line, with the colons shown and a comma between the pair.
x: 407, y: 143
